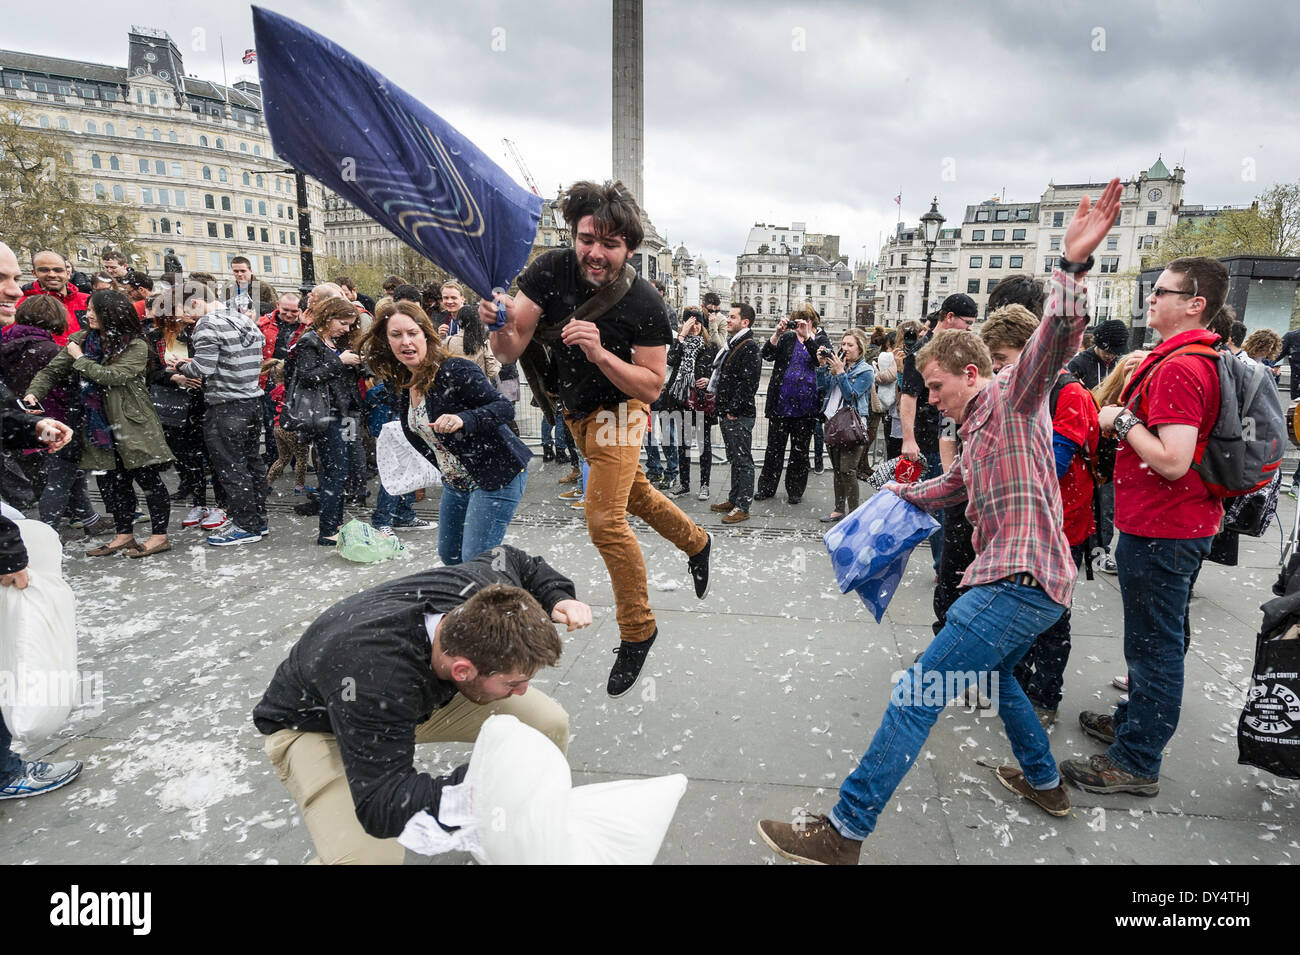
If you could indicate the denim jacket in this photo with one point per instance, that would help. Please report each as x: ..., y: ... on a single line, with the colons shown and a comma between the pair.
x: 855, y: 387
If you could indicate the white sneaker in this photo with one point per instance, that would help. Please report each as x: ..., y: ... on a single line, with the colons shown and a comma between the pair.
x: 215, y: 519
x: 1105, y: 564
x: 704, y: 493
x: 1119, y: 682
x: 195, y: 517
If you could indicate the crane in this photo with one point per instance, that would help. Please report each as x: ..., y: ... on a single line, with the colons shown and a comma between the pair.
x: 519, y: 161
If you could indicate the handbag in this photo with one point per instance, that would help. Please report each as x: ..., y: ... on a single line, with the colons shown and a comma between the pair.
x: 307, y: 409
x: 1268, y: 731
x: 702, y: 401
x: 171, y: 404
x: 845, y: 428
x: 402, y: 469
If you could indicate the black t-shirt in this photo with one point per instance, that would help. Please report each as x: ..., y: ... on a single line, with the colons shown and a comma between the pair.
x: 926, y: 428
x: 639, y: 319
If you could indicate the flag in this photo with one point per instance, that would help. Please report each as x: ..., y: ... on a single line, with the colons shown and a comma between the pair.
x: 341, y: 122
x: 250, y: 56
x: 898, y: 199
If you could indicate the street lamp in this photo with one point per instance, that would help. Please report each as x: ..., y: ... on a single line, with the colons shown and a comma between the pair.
x: 931, y: 222
x: 305, y: 249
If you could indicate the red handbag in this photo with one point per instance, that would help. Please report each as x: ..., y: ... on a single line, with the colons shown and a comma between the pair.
x: 702, y: 401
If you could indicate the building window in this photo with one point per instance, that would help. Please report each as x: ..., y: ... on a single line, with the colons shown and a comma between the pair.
x: 252, y: 234
x: 110, y: 129
x: 167, y: 226
x: 261, y: 183
x: 153, y: 97
x: 95, y: 162
x: 977, y: 261
x: 146, y: 195
x: 903, y: 260
x: 248, y: 207
x: 1054, y: 244
x: 1016, y: 262
x: 159, y: 167
x: 203, y: 141
x: 823, y: 289
x: 179, y: 197
x: 1003, y: 215
x: 284, y: 240
x: 1109, y: 264
x: 207, y: 172
x: 266, y: 265
x: 999, y: 235
x: 293, y: 238
x: 228, y: 230
x: 63, y: 122
x: 1058, y: 219
x: 1017, y: 235
x: 995, y: 261
x: 279, y: 213
x: 261, y: 208
x: 1112, y: 243
x: 212, y: 230
x: 157, y: 135
x: 221, y: 143
x: 223, y: 175
x: 142, y: 165
x: 266, y: 235
x: 902, y: 280
x: 972, y: 286
x: 119, y: 194
x: 43, y: 122
x: 1047, y: 264
x: 990, y: 285
x: 977, y: 235
x: 943, y: 280
x: 113, y: 164
x: 257, y: 150
x: 247, y: 179
x: 225, y: 204
x: 243, y: 147
x: 209, y: 201
x: 982, y: 215
x: 100, y: 191
x: 177, y: 170
x: 172, y: 137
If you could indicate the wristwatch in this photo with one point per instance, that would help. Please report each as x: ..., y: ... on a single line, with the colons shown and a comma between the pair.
x: 1074, y: 268
x: 1124, y: 423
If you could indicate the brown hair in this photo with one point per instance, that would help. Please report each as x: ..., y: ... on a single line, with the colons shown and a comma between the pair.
x: 379, y: 354
x: 804, y: 312
x: 1263, y: 343
x: 1010, y: 325
x: 501, y: 629
x: 613, y: 207
x: 954, y: 349
x: 43, y: 311
x: 860, y: 337
x: 878, y: 337
x: 1208, y: 278
x: 326, y: 310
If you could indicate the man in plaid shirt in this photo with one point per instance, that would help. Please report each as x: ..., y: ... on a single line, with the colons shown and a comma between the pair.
x: 1022, y: 576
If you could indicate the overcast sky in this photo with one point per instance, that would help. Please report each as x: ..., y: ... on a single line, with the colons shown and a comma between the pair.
x: 816, y: 112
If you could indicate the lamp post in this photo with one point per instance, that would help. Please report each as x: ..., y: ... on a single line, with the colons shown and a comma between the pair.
x: 305, y: 249
x: 931, y: 222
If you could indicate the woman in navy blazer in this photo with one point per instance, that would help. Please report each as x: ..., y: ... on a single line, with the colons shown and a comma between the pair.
x: 452, y: 415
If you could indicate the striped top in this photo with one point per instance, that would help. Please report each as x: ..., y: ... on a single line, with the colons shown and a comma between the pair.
x: 227, y: 355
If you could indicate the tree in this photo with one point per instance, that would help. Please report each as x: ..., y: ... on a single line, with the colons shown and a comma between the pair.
x: 41, y: 206
x: 1271, y: 226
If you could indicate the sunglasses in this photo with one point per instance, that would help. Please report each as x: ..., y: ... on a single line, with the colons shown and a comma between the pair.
x: 1157, y: 292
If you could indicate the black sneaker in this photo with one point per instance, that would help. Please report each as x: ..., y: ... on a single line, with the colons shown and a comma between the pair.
x: 627, y: 665
x: 1100, y: 726
x: 699, y: 567
x: 548, y: 453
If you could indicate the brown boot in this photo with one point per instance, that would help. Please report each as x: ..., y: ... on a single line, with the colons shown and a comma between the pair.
x: 722, y: 508
x: 1055, y: 802
x: 811, y: 840
x: 571, y: 477
x: 735, y: 516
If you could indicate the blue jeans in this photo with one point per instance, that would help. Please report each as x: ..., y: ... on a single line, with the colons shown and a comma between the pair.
x: 332, y: 452
x: 737, y: 436
x: 654, y: 468
x: 989, y: 628
x: 11, y: 764
x: 1155, y: 581
x: 470, y: 523
x: 390, y: 510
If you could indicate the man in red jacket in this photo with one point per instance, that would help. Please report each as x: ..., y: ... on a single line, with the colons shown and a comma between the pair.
x: 51, y: 271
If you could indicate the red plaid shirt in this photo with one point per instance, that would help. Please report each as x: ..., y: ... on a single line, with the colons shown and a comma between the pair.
x: 1006, y: 469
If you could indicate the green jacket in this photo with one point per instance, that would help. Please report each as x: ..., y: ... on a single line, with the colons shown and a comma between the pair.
x: 137, y: 434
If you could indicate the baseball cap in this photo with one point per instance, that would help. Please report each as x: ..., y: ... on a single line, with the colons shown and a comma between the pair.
x: 961, y: 304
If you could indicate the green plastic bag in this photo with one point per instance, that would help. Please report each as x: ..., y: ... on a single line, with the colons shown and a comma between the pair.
x: 360, y: 542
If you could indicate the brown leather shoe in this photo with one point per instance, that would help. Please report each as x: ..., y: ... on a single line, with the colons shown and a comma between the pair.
x: 811, y: 840
x: 105, y: 549
x: 571, y: 477
x: 723, y: 507
x: 1055, y: 802
x: 735, y: 516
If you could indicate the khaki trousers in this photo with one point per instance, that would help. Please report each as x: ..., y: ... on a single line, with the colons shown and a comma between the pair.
x: 311, y: 769
x: 610, y: 440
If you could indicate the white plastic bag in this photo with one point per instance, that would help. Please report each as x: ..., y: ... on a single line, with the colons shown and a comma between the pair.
x: 38, y: 640
x: 517, y: 807
x: 402, y: 469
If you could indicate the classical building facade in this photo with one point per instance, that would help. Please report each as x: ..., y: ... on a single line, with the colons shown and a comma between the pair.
x: 997, y: 239
x: 190, y: 158
x: 900, y: 274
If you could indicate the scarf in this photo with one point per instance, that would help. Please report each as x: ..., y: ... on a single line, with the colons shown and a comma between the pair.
x: 722, y: 357
x: 684, y: 380
x: 98, y: 430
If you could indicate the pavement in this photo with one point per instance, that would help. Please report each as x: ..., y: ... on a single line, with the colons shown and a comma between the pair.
x: 764, y: 695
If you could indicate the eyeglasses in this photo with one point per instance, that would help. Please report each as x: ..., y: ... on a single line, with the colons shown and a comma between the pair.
x: 712, y: 310
x: 1157, y: 292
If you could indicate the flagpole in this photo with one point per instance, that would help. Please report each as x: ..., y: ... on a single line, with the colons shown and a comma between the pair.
x: 225, y: 85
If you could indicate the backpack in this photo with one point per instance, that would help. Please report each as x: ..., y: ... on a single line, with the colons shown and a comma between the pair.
x: 1244, y: 449
x: 1101, y: 466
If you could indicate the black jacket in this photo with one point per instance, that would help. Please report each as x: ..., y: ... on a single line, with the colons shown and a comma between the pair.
x: 738, y: 379
x: 780, y: 355
x: 314, y: 363
x: 17, y: 430
x: 491, y: 453
x: 1089, y: 369
x: 363, y: 671
x: 703, y: 369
